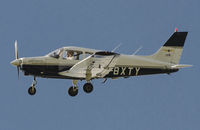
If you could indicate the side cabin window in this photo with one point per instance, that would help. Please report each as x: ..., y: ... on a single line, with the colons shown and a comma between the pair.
x: 88, y: 54
x: 77, y: 55
x: 71, y: 55
x: 102, y: 54
x: 85, y: 55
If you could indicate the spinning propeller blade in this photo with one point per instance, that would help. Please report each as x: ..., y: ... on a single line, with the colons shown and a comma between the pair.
x: 16, y: 57
x: 16, y: 50
x: 18, y: 72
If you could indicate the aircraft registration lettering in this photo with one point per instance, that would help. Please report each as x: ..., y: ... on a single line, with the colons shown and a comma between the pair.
x: 126, y: 71
x: 123, y: 71
x: 130, y: 70
x: 137, y: 69
x: 116, y: 71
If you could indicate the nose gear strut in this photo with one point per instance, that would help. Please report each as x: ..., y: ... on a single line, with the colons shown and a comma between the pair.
x: 32, y: 89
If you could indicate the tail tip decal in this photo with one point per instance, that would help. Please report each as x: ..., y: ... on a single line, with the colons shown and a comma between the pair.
x: 177, y: 39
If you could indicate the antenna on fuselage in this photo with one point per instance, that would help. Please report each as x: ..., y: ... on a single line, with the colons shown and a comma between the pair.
x: 137, y: 50
x: 117, y: 47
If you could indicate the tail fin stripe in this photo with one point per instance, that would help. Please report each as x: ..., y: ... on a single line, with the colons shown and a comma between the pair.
x: 177, y: 39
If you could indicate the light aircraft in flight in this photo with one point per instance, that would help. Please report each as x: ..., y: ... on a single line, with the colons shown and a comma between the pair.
x: 77, y: 63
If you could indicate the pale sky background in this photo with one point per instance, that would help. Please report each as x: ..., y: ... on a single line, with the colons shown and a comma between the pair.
x: 158, y: 102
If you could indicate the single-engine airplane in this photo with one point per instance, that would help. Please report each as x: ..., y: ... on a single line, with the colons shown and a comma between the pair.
x: 77, y: 63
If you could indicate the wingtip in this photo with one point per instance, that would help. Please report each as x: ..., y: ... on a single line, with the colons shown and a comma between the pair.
x: 181, y: 66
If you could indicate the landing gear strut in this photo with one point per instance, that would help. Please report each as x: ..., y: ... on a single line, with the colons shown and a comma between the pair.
x: 32, y: 89
x: 73, y: 90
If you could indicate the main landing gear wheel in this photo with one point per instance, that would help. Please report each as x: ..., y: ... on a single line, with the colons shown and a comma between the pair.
x: 32, y: 90
x: 73, y: 91
x: 88, y: 87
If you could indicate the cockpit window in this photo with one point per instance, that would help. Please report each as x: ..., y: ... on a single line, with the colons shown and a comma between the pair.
x: 69, y: 54
x: 72, y: 55
x: 56, y: 54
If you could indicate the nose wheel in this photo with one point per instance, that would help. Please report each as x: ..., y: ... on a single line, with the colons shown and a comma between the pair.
x: 32, y: 89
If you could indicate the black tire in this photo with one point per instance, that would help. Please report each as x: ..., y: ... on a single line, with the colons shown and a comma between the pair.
x: 32, y: 91
x: 88, y: 87
x: 73, y: 91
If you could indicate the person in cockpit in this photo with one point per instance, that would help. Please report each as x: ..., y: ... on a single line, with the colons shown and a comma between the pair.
x: 70, y: 55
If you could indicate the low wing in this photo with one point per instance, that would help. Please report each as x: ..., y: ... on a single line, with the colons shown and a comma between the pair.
x: 94, y: 66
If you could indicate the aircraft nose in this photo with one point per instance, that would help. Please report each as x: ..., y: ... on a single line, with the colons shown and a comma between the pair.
x: 16, y: 62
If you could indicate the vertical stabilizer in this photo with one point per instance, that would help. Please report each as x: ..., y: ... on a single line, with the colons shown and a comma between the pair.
x: 171, y: 51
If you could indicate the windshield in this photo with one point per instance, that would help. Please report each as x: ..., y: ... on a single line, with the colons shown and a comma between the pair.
x: 56, y: 53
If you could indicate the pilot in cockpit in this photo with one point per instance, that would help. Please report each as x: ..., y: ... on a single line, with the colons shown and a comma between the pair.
x: 70, y: 55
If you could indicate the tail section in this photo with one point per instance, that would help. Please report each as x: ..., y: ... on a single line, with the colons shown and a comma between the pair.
x: 171, y: 51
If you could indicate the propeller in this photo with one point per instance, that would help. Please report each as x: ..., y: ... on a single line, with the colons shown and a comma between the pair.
x: 16, y: 57
x: 16, y: 50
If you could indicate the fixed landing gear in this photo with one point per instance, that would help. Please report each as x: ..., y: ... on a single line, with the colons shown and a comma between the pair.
x: 32, y: 89
x: 88, y: 87
x: 73, y: 90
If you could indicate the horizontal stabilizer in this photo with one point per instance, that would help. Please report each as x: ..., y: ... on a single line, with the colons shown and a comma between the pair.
x: 180, y: 66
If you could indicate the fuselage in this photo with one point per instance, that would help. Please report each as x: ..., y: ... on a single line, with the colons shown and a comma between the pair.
x: 126, y: 66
